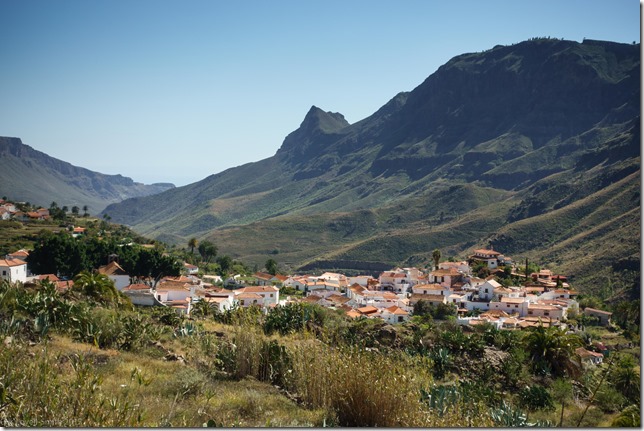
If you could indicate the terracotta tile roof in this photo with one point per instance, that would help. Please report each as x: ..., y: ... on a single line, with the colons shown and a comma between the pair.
x: 394, y: 309
x: 50, y: 277
x: 486, y: 251
x: 354, y: 314
x: 583, y: 353
x: 311, y: 298
x: 263, y: 276
x: 112, y: 268
x: 495, y: 313
x: 338, y: 299
x: 169, y: 286
x: 215, y: 299
x: 445, y: 272
x: 509, y: 300
x: 368, y: 309
x: 542, y: 307
x: 259, y: 289
x: 12, y: 262
x: 596, y: 311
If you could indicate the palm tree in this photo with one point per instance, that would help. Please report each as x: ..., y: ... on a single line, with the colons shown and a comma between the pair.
x: 96, y: 285
x: 207, y: 250
x: 627, y: 380
x: 552, y: 351
x: 436, y: 255
x: 192, y: 244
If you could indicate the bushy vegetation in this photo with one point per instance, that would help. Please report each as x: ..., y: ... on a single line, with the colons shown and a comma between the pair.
x: 111, y: 364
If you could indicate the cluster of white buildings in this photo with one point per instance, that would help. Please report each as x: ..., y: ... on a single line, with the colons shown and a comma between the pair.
x: 394, y: 293
x: 9, y: 211
x: 391, y: 297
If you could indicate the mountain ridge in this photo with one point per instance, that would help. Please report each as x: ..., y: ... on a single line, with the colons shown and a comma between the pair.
x: 510, y: 129
x: 30, y: 175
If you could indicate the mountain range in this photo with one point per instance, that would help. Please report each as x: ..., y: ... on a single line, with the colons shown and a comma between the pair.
x: 532, y: 149
x: 32, y: 176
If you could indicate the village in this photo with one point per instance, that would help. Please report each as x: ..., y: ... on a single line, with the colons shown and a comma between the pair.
x: 543, y: 298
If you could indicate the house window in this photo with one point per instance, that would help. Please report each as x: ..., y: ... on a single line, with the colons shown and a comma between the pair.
x: 529, y: 311
x: 400, y: 318
x: 546, y: 313
x: 485, y: 290
x: 516, y: 306
x: 271, y: 295
x: 4, y: 272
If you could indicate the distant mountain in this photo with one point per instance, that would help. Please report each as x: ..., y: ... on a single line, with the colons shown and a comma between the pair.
x: 33, y: 176
x: 509, y: 147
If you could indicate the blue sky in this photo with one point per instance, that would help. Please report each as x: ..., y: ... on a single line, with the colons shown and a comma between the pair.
x: 173, y: 91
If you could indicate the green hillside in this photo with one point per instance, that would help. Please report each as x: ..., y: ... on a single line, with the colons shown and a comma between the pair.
x: 533, y: 148
x: 28, y: 175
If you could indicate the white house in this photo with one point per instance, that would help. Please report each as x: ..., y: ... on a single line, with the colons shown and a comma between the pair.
x: 486, y: 290
x: 297, y: 283
x: 117, y: 274
x: 397, y: 281
x: 223, y: 302
x: 362, y: 280
x: 140, y: 294
x: 166, y: 294
x: 13, y: 270
x: 489, y: 257
x: 546, y: 310
x: 461, y: 267
x: 248, y: 299
x: 511, y: 305
x: 269, y: 294
x: 445, y: 277
x: 393, y: 314
x: 431, y: 289
x: 190, y: 269
x: 589, y: 357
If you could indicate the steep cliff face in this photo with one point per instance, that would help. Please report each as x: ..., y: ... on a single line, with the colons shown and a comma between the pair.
x: 318, y: 130
x: 30, y: 175
x: 481, y: 110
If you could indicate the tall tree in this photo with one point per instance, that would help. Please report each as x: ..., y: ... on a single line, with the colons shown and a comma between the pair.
x: 436, y: 255
x: 192, y: 243
x: 207, y: 250
x: 552, y: 351
x: 97, y: 286
x: 271, y: 266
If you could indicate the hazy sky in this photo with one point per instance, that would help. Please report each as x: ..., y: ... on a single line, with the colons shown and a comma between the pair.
x: 173, y: 91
